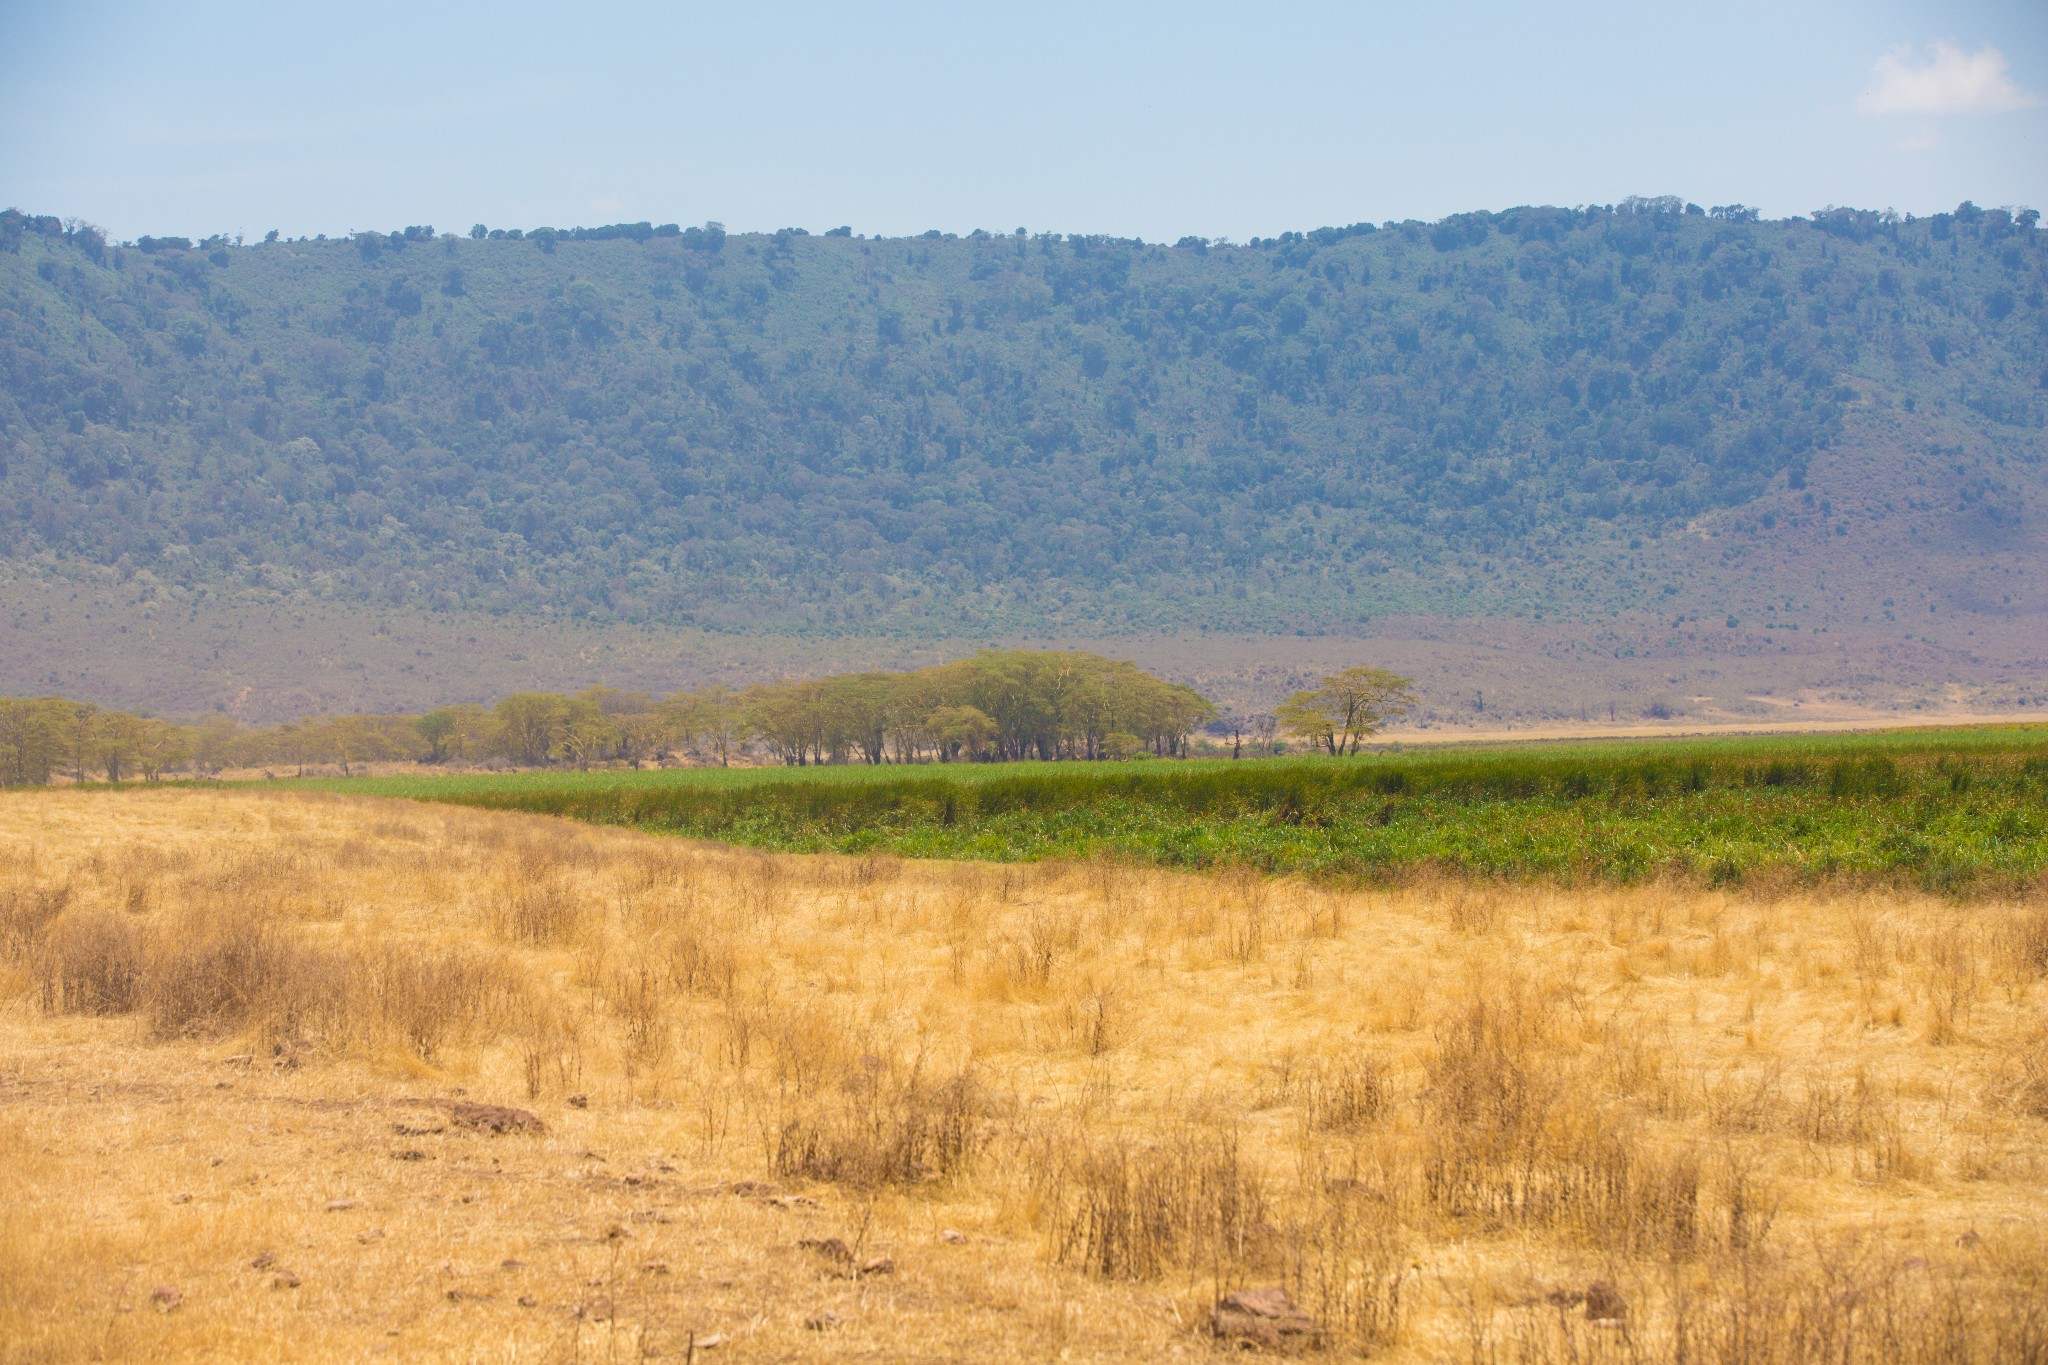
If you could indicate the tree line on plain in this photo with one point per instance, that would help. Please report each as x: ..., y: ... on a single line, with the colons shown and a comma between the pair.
x: 997, y: 705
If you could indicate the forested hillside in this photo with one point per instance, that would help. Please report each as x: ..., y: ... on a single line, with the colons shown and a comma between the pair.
x: 833, y: 433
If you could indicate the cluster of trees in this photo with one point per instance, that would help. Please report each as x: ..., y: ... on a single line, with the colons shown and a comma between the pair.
x: 41, y: 736
x: 997, y: 705
x: 836, y: 433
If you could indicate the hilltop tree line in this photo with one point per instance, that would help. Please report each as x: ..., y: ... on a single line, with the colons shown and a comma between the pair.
x: 998, y: 705
x: 838, y: 433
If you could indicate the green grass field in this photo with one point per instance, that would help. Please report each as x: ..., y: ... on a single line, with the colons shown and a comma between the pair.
x: 1950, y: 810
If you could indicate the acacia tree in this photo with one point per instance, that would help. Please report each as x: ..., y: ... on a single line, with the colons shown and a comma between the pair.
x: 861, y: 707
x: 791, y: 719
x: 31, y: 739
x: 161, y: 745
x: 436, y: 727
x: 956, y: 730
x: 710, y: 719
x: 117, y: 738
x: 1351, y: 704
x: 585, y: 735
x: 529, y: 725
x: 78, y: 733
x: 214, y: 743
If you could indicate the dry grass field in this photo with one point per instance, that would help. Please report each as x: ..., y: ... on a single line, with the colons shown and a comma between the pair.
x: 820, y: 1108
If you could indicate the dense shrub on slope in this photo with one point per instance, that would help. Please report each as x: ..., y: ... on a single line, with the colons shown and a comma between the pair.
x: 647, y: 423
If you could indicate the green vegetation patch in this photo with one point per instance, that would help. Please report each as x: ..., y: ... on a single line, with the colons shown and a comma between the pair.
x: 1961, y: 811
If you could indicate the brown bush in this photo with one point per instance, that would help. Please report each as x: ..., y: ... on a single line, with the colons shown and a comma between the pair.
x: 90, y: 962
x: 537, y: 914
x: 1128, y: 1211
x: 885, y: 1130
x: 25, y: 912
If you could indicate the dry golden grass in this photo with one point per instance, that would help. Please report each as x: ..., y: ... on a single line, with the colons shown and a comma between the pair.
x: 1072, y: 1105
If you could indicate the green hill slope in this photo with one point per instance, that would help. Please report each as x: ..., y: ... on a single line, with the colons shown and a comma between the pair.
x: 848, y: 435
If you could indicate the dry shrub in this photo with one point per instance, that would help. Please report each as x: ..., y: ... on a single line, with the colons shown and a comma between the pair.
x: 25, y: 912
x: 1248, y: 912
x: 537, y: 913
x: 426, y: 996
x: 698, y: 960
x: 215, y: 974
x: 1344, y: 1095
x: 550, y: 1048
x: 1846, y: 1303
x: 1029, y: 957
x: 639, y: 1001
x: 2026, y: 939
x: 1515, y: 1137
x: 883, y: 1128
x: 1349, y: 1260
x: 1129, y: 1211
x: 1091, y: 1022
x: 2030, y: 1052
x: 1485, y: 1078
x: 1745, y: 1099
x: 90, y: 962
x: 1952, y: 981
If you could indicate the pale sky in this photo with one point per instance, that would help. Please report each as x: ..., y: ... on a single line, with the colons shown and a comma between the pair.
x: 1134, y: 119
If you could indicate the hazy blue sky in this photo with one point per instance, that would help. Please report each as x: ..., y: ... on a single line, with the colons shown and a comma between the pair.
x: 1136, y: 119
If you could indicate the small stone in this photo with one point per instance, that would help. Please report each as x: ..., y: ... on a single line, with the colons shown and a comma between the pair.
x: 878, y: 1265
x: 284, y: 1279
x: 655, y: 1268
x: 511, y: 1263
x: 616, y: 1233
x: 409, y: 1154
x: 821, y: 1322
x: 756, y: 1189
x: 166, y: 1297
x: 1604, y: 1302
x: 1971, y: 1238
x: 181, y: 1199
x: 339, y: 1205
x: 371, y: 1235
x: 949, y: 1235
x: 579, y: 1101
x: 710, y: 1343
x: 528, y: 1301
x: 1260, y: 1317
x: 595, y: 1310
x: 264, y: 1261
